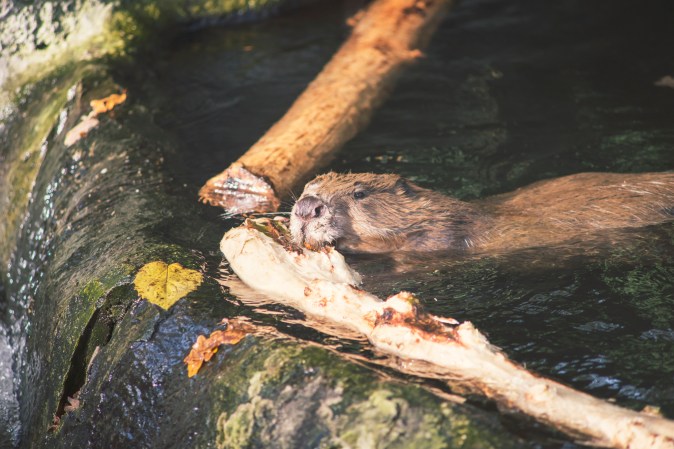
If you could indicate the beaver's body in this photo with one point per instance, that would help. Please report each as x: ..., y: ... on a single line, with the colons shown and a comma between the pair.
x: 364, y: 212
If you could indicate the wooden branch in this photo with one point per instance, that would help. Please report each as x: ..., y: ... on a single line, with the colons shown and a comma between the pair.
x: 321, y: 285
x: 333, y: 108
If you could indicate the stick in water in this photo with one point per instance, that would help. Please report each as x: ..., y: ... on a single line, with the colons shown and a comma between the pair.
x: 322, y: 285
x: 332, y: 109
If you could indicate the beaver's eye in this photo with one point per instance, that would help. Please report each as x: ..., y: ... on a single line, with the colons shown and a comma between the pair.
x: 359, y: 194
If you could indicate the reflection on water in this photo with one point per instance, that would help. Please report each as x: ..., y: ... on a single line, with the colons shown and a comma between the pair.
x: 510, y: 92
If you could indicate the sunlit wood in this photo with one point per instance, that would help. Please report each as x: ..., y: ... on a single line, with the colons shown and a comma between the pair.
x: 333, y: 108
x: 321, y: 285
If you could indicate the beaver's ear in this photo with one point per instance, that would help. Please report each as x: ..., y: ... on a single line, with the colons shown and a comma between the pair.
x: 403, y: 187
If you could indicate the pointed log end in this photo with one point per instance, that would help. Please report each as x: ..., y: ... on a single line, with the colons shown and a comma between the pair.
x: 239, y: 191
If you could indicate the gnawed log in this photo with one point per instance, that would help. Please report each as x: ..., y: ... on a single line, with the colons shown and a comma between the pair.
x: 333, y: 108
x: 322, y: 285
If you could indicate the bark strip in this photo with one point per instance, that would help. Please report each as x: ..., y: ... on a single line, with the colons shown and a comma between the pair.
x: 322, y: 285
x: 333, y: 108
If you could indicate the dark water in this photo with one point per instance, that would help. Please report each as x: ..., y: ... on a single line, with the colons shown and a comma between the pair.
x: 510, y: 92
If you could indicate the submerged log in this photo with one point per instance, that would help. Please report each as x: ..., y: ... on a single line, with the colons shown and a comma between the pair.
x: 321, y: 285
x: 333, y: 108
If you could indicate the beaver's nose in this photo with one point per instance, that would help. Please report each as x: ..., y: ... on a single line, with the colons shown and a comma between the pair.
x: 309, y: 207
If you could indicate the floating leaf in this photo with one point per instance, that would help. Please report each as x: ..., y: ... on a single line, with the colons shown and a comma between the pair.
x: 163, y: 284
x: 204, y: 348
x: 108, y: 103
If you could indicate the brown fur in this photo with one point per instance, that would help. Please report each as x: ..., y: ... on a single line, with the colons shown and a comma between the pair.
x: 395, y: 214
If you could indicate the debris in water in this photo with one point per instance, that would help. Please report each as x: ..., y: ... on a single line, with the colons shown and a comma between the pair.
x: 665, y: 81
x: 90, y: 121
x: 204, y: 348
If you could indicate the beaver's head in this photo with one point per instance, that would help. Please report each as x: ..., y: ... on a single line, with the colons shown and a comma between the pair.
x: 360, y: 212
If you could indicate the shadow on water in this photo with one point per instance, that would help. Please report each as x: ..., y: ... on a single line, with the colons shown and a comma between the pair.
x: 509, y: 93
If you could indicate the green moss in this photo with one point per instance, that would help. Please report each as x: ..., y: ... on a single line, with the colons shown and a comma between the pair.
x: 236, y: 430
x: 374, y: 422
x: 98, y: 294
x: 274, y: 364
x: 27, y: 145
x: 137, y: 23
x: 290, y: 396
x: 93, y: 290
x: 37, y: 38
x: 256, y: 368
x: 354, y: 381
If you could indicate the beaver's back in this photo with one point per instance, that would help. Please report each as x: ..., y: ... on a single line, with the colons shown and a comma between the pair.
x: 556, y: 210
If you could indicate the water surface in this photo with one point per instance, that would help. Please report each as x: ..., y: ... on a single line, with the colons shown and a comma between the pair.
x: 510, y: 92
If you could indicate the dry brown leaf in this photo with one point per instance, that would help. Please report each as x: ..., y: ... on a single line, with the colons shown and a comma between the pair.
x: 204, y: 348
x: 108, y: 103
x: 90, y: 121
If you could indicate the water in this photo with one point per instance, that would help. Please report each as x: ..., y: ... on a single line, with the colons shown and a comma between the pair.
x: 510, y: 92
x: 515, y: 92
x: 9, y: 427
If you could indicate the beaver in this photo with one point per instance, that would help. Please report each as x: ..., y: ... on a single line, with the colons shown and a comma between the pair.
x: 380, y: 213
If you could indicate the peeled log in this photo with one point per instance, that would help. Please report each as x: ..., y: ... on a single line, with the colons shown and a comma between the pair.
x: 322, y: 285
x: 333, y: 108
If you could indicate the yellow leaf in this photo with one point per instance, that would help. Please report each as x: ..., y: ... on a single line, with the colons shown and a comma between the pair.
x: 163, y: 284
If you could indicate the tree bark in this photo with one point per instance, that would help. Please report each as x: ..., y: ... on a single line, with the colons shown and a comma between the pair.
x: 333, y: 108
